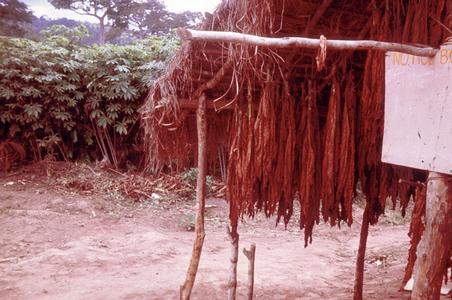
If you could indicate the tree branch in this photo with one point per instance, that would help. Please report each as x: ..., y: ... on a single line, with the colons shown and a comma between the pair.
x: 85, y: 14
x: 301, y: 42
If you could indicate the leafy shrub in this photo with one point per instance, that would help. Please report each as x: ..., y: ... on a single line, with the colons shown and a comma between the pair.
x: 191, y: 176
x: 70, y: 102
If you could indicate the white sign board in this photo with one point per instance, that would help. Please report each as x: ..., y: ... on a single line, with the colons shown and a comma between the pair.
x: 418, y: 111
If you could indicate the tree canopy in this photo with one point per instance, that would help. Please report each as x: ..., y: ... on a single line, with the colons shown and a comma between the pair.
x: 137, y: 17
x: 110, y: 13
x: 14, y: 17
x: 152, y: 17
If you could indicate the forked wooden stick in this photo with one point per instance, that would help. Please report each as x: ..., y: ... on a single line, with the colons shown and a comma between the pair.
x: 185, y: 289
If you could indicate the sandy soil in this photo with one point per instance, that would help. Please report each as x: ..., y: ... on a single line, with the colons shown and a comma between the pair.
x: 59, y: 244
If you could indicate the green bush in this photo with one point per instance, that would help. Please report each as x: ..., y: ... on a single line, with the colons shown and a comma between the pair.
x: 63, y: 100
x: 191, y: 176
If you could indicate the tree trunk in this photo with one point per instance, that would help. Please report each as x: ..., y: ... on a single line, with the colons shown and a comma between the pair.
x: 232, y: 283
x: 250, y: 254
x: 433, y: 252
x: 359, y: 271
x: 185, y: 290
x: 101, y: 31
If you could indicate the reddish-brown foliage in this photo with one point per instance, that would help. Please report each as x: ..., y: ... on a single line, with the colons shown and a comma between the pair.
x: 417, y: 227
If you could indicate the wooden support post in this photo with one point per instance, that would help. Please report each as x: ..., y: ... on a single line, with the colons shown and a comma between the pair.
x: 359, y: 271
x: 301, y: 42
x: 185, y: 290
x: 232, y: 283
x: 250, y: 254
x: 434, y: 249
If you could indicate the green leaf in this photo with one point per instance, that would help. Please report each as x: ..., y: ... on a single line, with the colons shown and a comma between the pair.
x: 95, y: 114
x: 33, y: 110
x: 62, y: 115
x: 78, y: 95
x: 31, y: 92
x: 114, y: 107
x: 6, y: 93
x: 103, y: 121
x: 129, y: 110
x: 88, y: 139
x: 112, y: 115
x: 69, y: 125
x: 71, y: 102
x: 122, y: 69
x: 121, y: 128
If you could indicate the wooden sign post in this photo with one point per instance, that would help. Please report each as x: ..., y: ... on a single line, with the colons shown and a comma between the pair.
x: 418, y: 134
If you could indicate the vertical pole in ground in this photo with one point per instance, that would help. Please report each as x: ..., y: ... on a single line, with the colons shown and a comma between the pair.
x: 250, y: 254
x: 434, y: 249
x: 359, y: 271
x: 232, y: 283
x: 185, y: 289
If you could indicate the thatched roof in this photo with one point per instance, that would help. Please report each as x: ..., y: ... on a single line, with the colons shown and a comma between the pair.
x: 292, y: 131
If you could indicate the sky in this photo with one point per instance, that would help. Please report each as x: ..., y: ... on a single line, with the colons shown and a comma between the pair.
x: 44, y: 8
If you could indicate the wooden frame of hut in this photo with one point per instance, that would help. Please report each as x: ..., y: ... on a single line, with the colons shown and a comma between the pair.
x: 299, y: 124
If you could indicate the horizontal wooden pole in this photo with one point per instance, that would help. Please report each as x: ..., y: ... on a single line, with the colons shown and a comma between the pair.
x: 301, y: 42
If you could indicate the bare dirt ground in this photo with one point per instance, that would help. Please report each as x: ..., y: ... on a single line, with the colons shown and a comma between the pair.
x: 61, y: 243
